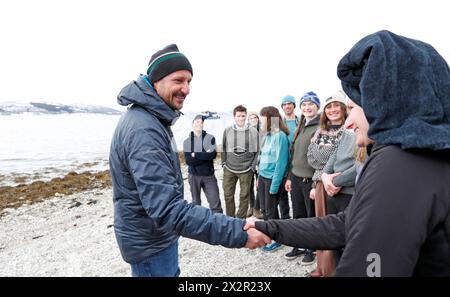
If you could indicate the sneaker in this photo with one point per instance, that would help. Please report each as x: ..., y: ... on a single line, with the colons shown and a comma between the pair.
x: 308, y: 259
x: 296, y: 252
x: 272, y: 247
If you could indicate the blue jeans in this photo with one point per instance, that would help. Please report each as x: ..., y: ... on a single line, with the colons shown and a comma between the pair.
x: 164, y: 263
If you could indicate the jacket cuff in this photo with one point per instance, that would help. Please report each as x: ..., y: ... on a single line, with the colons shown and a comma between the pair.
x: 262, y: 226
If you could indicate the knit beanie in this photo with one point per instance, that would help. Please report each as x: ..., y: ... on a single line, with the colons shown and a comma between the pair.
x: 288, y: 99
x: 250, y: 113
x: 199, y: 117
x: 311, y: 97
x: 165, y: 62
x: 337, y: 97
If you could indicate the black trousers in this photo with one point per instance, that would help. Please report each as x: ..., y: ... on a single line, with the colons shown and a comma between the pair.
x: 269, y: 203
x: 284, y: 203
x: 302, y: 205
x: 338, y: 203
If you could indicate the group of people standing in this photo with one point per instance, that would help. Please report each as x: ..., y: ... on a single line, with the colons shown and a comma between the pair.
x: 388, y: 215
x: 311, y: 156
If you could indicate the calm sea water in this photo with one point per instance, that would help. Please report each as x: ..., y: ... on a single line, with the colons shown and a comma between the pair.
x: 44, y: 146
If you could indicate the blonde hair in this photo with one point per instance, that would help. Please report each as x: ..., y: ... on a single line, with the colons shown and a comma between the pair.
x: 361, y: 154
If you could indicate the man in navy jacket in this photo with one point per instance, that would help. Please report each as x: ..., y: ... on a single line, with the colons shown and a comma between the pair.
x: 199, y: 152
x: 149, y: 210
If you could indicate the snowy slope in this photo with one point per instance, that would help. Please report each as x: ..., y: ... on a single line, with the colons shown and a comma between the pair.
x: 11, y: 107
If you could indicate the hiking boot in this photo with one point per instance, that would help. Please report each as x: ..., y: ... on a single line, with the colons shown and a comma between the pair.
x: 272, y: 247
x: 296, y: 252
x: 257, y: 214
x: 308, y: 259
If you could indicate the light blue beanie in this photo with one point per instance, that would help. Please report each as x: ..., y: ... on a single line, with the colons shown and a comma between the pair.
x: 288, y: 99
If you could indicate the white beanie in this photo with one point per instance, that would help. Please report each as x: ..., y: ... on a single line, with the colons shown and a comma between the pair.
x: 339, y: 96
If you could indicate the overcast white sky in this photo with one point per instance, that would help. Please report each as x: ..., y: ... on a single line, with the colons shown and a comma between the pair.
x: 242, y: 52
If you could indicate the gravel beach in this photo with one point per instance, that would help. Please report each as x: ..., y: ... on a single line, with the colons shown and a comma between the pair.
x: 72, y: 235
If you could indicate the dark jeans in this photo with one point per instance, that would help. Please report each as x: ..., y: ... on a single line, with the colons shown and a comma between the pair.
x: 269, y: 203
x: 162, y: 264
x: 302, y: 205
x: 209, y: 185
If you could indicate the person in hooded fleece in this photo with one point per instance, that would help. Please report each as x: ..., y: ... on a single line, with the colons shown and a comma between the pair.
x: 149, y: 210
x: 398, y: 221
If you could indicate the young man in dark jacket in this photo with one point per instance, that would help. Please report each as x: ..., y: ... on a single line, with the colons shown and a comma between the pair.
x: 398, y: 221
x: 199, y: 152
x: 149, y: 210
x: 300, y: 175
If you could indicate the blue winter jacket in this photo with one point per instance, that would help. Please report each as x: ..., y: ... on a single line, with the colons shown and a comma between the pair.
x: 149, y: 210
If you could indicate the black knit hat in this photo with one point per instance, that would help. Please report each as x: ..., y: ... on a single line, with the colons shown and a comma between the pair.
x: 166, y: 61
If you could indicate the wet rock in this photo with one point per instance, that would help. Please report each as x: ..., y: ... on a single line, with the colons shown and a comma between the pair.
x: 20, y: 179
x: 77, y: 204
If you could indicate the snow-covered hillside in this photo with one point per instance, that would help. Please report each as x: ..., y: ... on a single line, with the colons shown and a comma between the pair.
x: 7, y: 108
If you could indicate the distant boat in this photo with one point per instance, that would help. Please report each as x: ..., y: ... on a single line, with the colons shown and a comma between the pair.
x: 210, y: 115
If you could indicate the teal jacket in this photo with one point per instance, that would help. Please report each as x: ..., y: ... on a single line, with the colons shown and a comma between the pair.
x: 274, y: 158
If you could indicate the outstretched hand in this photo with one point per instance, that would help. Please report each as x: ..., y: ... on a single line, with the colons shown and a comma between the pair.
x: 249, y: 223
x: 256, y: 239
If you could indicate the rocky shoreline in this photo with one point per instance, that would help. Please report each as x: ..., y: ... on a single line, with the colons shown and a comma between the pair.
x: 64, y: 227
x: 73, y: 235
x: 37, y: 191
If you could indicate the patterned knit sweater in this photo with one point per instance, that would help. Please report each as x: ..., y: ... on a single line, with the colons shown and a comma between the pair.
x: 323, y: 145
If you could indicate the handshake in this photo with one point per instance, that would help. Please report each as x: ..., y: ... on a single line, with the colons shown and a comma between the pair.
x: 255, y: 237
